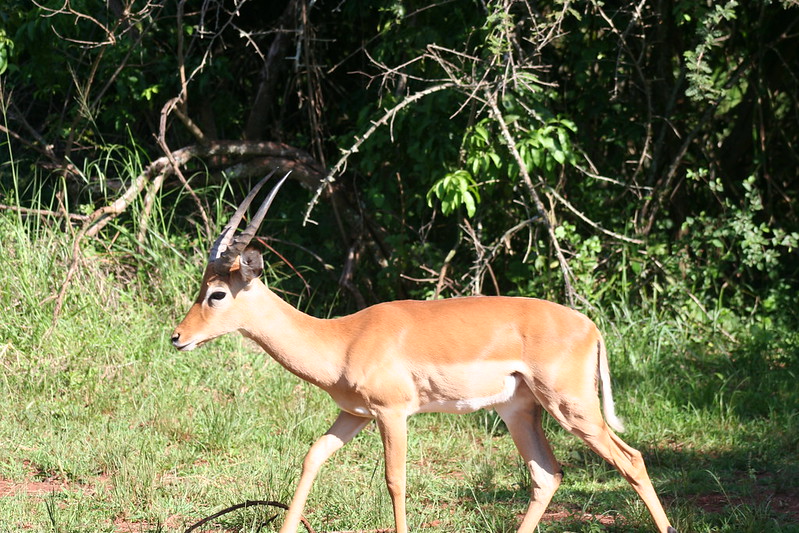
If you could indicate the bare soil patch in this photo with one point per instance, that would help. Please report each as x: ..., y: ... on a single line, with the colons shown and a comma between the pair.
x: 11, y: 488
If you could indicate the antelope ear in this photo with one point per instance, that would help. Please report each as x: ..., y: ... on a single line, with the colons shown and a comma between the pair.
x: 251, y: 264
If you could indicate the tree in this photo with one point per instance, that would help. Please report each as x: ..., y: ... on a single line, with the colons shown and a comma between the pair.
x: 550, y: 148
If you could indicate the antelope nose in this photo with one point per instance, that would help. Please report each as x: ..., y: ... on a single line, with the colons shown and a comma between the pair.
x: 175, y: 339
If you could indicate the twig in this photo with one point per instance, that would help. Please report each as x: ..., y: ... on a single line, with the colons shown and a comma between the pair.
x: 442, y: 275
x: 269, y: 247
x: 504, y: 239
x: 67, y: 9
x: 436, y: 277
x: 342, y: 162
x: 348, y: 272
x: 149, y: 201
x: 179, y: 173
x: 245, y: 505
x: 105, y: 214
x: 73, y: 267
x: 588, y: 221
x: 327, y: 267
x: 43, y: 147
x: 646, y: 84
x: 177, y: 104
x: 480, y: 265
x: 44, y: 213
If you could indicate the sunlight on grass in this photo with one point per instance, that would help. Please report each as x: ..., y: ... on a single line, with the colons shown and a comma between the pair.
x: 120, y: 428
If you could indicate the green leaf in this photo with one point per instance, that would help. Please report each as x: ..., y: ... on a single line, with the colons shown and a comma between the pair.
x: 455, y: 189
x: 469, y: 202
x: 482, y: 132
x: 6, y: 47
x: 548, y: 143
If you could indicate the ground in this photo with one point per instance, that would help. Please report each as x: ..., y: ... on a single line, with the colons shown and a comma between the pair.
x: 786, y: 504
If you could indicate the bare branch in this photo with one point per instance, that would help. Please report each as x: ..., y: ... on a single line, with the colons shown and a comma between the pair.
x: 289, y: 157
x: 149, y: 201
x: 44, y: 212
x: 339, y: 167
x: 539, y: 205
x: 67, y: 9
x: 348, y: 274
x: 173, y: 105
x: 588, y: 221
x: 645, y: 82
x: 481, y: 264
x: 104, y: 215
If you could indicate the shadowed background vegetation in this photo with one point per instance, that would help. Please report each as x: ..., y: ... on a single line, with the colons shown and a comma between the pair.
x: 635, y: 160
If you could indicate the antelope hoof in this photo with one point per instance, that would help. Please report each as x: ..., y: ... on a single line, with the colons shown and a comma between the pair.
x: 671, y: 530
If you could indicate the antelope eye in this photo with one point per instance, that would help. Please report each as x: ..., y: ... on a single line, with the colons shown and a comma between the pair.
x: 217, y: 295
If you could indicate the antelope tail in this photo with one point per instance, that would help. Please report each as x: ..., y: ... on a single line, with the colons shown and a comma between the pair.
x: 608, y: 406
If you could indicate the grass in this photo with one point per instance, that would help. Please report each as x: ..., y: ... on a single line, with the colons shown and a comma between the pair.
x: 104, y: 427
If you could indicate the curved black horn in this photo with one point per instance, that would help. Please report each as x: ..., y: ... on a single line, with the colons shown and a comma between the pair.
x: 223, y: 241
x: 233, y: 246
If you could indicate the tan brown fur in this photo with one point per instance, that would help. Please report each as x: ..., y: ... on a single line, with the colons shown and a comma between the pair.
x: 389, y: 361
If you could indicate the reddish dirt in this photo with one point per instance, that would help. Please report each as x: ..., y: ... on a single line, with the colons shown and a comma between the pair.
x: 563, y: 514
x: 174, y: 522
x: 46, y: 486
x: 786, y: 505
x: 30, y: 485
x: 38, y: 488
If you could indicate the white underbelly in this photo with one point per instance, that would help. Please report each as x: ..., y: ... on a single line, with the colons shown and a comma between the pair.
x: 471, y: 404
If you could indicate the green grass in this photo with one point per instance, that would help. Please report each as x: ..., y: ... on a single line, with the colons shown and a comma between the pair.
x: 130, y: 435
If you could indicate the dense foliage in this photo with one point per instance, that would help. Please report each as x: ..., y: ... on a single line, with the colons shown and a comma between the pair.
x: 595, y: 151
x: 637, y: 160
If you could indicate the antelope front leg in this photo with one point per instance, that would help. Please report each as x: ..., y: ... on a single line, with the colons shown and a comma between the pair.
x: 340, y: 433
x: 394, y: 432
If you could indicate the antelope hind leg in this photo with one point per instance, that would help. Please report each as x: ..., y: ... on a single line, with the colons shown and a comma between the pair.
x: 522, y: 416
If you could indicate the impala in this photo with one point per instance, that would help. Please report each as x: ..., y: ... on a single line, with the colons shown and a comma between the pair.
x: 518, y: 356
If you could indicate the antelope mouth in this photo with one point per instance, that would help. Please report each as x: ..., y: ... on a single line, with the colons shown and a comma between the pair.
x: 186, y: 346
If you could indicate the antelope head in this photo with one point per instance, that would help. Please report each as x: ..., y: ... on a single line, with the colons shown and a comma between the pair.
x: 233, y: 271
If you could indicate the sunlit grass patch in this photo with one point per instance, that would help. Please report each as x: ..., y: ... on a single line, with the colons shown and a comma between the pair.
x: 128, y: 434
